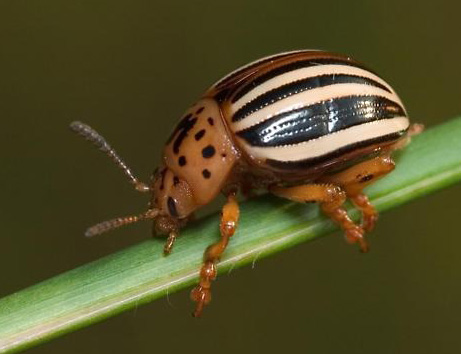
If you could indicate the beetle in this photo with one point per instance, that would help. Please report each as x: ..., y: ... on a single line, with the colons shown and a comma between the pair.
x: 307, y: 125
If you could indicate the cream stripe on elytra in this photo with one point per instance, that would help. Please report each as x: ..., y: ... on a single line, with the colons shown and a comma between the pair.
x: 304, y: 73
x: 330, y: 143
x: 311, y: 97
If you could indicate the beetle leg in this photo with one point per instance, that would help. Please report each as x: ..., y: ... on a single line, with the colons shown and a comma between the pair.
x: 356, y: 178
x: 172, y: 236
x: 229, y: 220
x: 369, y: 213
x: 331, y: 198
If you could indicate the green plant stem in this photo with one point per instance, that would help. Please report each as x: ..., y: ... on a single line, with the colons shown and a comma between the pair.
x: 141, y: 274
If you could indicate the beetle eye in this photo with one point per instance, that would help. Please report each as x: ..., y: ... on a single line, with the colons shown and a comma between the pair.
x: 172, y: 207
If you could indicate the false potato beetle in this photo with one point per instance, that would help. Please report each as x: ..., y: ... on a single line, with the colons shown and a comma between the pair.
x: 308, y: 126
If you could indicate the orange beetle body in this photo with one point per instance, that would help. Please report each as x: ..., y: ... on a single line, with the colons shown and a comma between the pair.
x: 309, y: 126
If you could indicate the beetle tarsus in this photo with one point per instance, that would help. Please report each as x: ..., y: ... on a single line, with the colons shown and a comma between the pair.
x: 356, y: 234
x: 202, y: 297
x: 369, y: 213
x: 170, y: 243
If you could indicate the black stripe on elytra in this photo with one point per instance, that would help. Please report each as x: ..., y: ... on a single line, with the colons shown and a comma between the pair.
x: 299, y: 86
x: 183, y: 127
x: 320, y: 119
x: 250, y: 67
x: 319, y: 160
x: 221, y: 95
x: 299, y: 64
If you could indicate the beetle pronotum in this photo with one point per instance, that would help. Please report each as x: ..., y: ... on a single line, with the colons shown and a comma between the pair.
x: 308, y: 126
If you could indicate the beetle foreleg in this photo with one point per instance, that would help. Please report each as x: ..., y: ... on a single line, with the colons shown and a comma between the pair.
x: 172, y: 236
x: 331, y: 199
x: 229, y: 220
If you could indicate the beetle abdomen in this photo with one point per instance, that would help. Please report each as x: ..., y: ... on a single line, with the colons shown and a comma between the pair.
x: 307, y: 108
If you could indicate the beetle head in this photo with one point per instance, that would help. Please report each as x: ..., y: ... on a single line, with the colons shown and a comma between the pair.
x: 173, y: 198
x: 172, y: 201
x: 170, y: 206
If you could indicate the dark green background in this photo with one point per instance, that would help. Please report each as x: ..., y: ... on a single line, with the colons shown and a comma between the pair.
x: 130, y: 69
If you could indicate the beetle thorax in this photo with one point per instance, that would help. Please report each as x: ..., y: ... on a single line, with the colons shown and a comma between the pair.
x: 200, y: 152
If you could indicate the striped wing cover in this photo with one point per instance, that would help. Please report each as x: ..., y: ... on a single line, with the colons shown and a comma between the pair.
x: 299, y: 109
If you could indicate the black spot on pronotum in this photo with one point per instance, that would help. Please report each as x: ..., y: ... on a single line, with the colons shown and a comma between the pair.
x: 172, y: 207
x: 206, y: 174
x: 208, y: 151
x: 210, y: 121
x: 184, y: 126
x: 199, y: 135
x: 224, y: 155
x: 200, y: 110
x: 175, y: 180
x: 365, y: 178
x: 182, y: 160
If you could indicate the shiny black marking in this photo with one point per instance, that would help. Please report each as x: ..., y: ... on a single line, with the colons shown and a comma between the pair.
x: 206, y: 174
x: 184, y: 126
x: 332, y: 156
x: 366, y: 178
x: 210, y: 121
x: 200, y: 135
x: 320, y: 119
x: 172, y: 207
x: 200, y: 110
x: 182, y: 160
x: 221, y: 95
x: 175, y: 181
x: 303, y: 63
x: 178, y: 127
x: 208, y: 151
x: 299, y: 86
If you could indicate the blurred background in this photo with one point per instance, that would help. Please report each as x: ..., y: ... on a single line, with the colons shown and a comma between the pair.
x: 130, y: 68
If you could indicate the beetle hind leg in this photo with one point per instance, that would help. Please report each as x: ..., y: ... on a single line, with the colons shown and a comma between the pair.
x: 331, y: 198
x: 354, y: 179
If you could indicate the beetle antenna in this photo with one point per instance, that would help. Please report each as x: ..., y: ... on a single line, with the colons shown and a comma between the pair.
x: 117, y: 222
x: 93, y: 136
